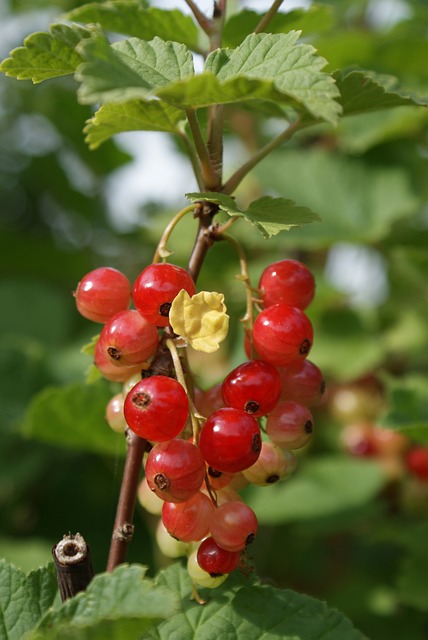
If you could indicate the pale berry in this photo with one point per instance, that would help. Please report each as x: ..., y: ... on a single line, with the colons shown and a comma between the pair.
x: 272, y: 465
x: 253, y: 386
x: 155, y: 289
x: 201, y: 577
x: 290, y: 425
x: 102, y: 293
x: 169, y: 546
x: 114, y: 415
x: 148, y: 499
x: 288, y: 281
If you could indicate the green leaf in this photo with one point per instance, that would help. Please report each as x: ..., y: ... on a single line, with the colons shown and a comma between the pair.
x: 134, y: 115
x: 361, y: 93
x: 131, y: 18
x: 24, y: 599
x: 407, y: 406
x: 121, y: 604
x: 322, y: 487
x: 129, y: 69
x: 264, y: 67
x: 246, y: 611
x: 46, y: 55
x: 26, y: 554
x: 73, y: 417
x: 269, y: 215
x: 315, y: 19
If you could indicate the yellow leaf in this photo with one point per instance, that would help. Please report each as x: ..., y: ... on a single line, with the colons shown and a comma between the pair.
x: 201, y: 319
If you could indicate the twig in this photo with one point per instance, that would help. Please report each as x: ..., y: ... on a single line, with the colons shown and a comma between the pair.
x: 73, y: 565
x: 204, y: 22
x: 268, y: 16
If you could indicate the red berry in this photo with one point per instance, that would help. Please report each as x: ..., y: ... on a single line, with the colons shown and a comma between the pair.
x: 288, y: 281
x: 254, y: 387
x: 188, y: 521
x: 155, y: 289
x: 127, y: 338
x: 302, y: 382
x: 157, y: 408
x: 218, y: 479
x: 230, y: 440
x: 215, y: 560
x: 290, y: 425
x: 233, y: 525
x: 282, y: 334
x: 175, y: 470
x: 417, y: 462
x: 111, y: 371
x: 102, y: 293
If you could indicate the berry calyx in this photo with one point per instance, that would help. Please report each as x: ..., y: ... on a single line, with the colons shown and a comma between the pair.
x: 127, y: 338
x: 288, y: 281
x: 155, y: 289
x: 254, y: 387
x: 102, y: 293
x: 230, y: 440
x: 157, y: 408
x: 215, y: 560
x: 282, y: 334
x: 175, y: 470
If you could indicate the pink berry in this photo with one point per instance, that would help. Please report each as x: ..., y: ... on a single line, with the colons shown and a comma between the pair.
x: 288, y: 281
x: 127, y: 338
x: 188, y: 521
x: 102, y: 293
x: 302, y: 382
x: 155, y: 289
x: 290, y: 425
x: 254, y: 386
x: 157, y: 408
x: 233, y: 525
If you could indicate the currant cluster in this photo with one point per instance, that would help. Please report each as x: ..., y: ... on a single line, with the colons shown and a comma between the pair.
x: 204, y: 448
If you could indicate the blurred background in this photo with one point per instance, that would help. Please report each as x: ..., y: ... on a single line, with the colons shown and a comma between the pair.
x: 350, y: 526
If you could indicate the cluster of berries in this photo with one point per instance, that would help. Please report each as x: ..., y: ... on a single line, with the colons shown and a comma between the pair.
x: 247, y: 427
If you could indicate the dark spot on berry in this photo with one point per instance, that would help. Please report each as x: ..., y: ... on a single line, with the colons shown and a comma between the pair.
x: 141, y: 399
x: 164, y: 309
x: 256, y: 444
x: 162, y: 482
x: 272, y: 479
x: 309, y: 426
x: 305, y: 347
x: 214, y: 473
x: 252, y: 406
x: 250, y: 538
x: 114, y: 353
x: 216, y: 575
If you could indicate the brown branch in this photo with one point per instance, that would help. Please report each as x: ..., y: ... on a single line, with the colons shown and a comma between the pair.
x: 73, y: 565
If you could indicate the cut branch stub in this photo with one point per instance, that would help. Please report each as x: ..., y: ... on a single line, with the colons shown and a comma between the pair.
x: 73, y: 565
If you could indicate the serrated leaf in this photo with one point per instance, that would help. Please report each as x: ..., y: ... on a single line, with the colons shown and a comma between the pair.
x: 129, y: 69
x: 322, y: 487
x: 407, y: 406
x: 315, y: 19
x: 134, y: 115
x: 24, y: 598
x: 73, y: 417
x: 121, y: 604
x: 46, y: 55
x: 132, y: 19
x: 269, y: 215
x: 244, y: 610
x: 362, y: 93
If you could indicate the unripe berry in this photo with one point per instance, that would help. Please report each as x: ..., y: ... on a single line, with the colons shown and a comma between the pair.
x: 148, y: 499
x: 272, y: 465
x: 288, y: 281
x: 290, y: 425
x: 169, y: 546
x: 114, y: 414
x: 201, y: 577
x: 102, y: 293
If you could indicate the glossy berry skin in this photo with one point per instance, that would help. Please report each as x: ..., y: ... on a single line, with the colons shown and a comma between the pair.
x: 282, y: 334
x: 215, y: 560
x: 288, y: 281
x: 302, y: 382
x: 230, y: 440
x: 290, y: 425
x: 114, y: 413
x: 102, y: 293
x: 175, y: 470
x: 188, y: 521
x: 417, y: 462
x: 155, y: 289
x: 156, y: 408
x: 127, y: 338
x: 111, y: 371
x: 254, y: 386
x: 233, y: 525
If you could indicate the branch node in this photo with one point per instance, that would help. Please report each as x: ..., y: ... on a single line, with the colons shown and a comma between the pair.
x: 124, y: 533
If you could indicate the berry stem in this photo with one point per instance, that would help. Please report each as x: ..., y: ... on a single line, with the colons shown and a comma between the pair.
x: 248, y: 319
x: 162, y: 251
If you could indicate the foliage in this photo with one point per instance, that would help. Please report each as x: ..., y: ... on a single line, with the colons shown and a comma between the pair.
x: 325, y: 133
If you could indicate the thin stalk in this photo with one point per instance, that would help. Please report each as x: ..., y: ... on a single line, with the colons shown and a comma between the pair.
x: 248, y: 319
x: 162, y: 250
x: 268, y: 16
x: 182, y: 380
x: 194, y: 159
x: 236, y: 179
x: 204, y: 22
x: 210, y: 177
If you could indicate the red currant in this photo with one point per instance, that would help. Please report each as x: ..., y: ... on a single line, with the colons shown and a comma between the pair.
x: 215, y: 560
x: 127, y: 338
x: 417, y: 462
x: 302, y: 382
x: 111, y: 371
x: 188, y: 521
x: 233, y: 525
x: 175, y: 470
x: 273, y: 465
x: 288, y: 281
x: 254, y: 386
x: 157, y: 408
x: 290, y: 425
x: 155, y: 289
x: 282, y: 334
x: 230, y: 440
x: 102, y: 293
